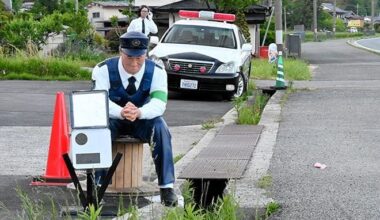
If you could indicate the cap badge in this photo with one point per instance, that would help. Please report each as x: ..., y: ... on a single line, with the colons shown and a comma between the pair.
x: 136, y: 43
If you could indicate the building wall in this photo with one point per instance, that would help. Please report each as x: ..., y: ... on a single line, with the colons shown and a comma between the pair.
x: 8, y: 4
x: 105, y: 13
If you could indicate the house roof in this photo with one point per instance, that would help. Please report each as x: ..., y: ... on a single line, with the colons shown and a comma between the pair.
x: 330, y: 8
x: 154, y: 3
x: 109, y: 4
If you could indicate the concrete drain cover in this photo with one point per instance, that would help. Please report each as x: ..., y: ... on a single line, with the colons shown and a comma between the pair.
x: 214, y: 169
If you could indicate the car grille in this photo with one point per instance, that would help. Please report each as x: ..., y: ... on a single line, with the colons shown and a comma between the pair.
x: 190, y: 67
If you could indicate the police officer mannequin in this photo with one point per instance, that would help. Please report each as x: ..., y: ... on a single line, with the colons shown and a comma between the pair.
x: 144, y: 23
x: 137, y: 100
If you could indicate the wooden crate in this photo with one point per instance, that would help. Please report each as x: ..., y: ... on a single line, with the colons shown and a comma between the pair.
x: 128, y: 173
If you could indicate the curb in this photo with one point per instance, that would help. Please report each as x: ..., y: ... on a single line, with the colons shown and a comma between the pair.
x: 355, y: 44
x: 251, y: 199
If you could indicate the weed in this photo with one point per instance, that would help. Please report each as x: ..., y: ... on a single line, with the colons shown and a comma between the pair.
x: 250, y: 113
x: 294, y: 69
x: 121, y: 210
x: 32, y: 209
x: 178, y: 157
x: 91, y: 213
x: 288, y: 91
x: 271, y: 208
x: 194, y: 143
x: 209, y: 124
x: 264, y: 182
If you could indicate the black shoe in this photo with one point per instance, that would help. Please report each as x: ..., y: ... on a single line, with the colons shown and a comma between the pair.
x: 168, y: 197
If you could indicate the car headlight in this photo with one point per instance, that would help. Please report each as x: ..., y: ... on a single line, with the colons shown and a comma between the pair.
x: 226, y: 68
x: 157, y: 60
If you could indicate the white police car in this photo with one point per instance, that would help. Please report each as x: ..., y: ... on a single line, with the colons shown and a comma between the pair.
x: 205, y: 55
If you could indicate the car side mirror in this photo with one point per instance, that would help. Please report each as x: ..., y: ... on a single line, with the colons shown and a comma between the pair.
x: 246, y: 47
x: 154, y: 40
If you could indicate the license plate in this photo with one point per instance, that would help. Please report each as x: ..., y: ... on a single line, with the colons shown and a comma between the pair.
x: 189, y: 84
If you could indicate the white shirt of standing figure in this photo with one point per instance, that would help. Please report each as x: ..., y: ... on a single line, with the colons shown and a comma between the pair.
x: 150, y: 26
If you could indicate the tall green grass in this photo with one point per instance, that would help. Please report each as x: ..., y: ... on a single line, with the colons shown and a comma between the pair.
x: 309, y: 36
x: 224, y: 208
x: 294, y: 69
x: 249, y: 111
x: 21, y: 67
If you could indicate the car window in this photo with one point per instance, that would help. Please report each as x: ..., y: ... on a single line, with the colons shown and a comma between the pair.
x: 242, y: 38
x: 201, y: 35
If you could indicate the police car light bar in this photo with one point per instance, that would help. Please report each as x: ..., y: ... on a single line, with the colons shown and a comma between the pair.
x: 210, y: 15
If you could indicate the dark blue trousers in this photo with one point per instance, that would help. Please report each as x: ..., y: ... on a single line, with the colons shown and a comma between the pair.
x: 156, y: 133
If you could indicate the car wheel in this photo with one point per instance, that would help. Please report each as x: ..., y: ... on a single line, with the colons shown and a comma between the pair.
x: 242, y: 86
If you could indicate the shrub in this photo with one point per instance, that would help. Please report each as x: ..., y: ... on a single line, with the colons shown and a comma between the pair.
x: 113, y: 38
x: 43, y: 68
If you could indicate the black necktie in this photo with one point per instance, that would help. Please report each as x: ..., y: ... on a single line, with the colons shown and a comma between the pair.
x: 131, y: 88
x: 143, y: 26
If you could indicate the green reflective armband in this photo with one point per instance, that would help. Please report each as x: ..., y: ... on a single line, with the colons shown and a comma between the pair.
x: 163, y: 96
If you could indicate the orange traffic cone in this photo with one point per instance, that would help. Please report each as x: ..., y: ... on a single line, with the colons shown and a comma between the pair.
x: 57, y: 173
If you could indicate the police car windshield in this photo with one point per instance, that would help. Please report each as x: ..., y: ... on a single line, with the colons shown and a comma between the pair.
x: 201, y: 35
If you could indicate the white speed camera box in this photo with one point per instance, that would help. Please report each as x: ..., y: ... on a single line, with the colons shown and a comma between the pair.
x: 90, y: 139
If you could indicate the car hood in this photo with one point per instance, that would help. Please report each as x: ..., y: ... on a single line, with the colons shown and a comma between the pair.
x: 224, y: 55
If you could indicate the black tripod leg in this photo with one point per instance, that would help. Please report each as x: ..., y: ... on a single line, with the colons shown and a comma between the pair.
x: 110, y: 173
x: 90, y: 189
x: 74, y: 177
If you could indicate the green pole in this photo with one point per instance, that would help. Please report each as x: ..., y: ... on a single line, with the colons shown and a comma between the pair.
x: 280, y: 81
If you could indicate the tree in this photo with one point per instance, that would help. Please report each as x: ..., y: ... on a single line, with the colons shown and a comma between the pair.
x: 45, y: 6
x: 20, y: 32
x: 16, y: 5
x: 231, y: 5
x: 237, y: 7
x: 300, y: 12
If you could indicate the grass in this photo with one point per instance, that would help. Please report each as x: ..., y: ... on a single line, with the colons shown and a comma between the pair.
x: 178, y: 157
x: 289, y: 91
x: 209, y: 124
x: 271, y: 208
x: 294, y: 69
x: 265, y: 182
x: 322, y: 36
x: 223, y: 208
x: 250, y: 113
x: 40, y: 68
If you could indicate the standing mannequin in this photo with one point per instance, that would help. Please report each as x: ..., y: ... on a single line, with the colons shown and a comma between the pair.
x: 144, y: 23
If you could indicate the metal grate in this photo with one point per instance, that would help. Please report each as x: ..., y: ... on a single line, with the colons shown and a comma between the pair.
x: 227, y: 156
x: 190, y: 67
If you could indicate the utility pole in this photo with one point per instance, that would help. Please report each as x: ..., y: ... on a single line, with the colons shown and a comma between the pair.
x: 334, y: 18
x: 373, y: 14
x: 285, y: 21
x: 357, y: 8
x: 315, y: 20
x: 278, y: 14
x: 76, y: 6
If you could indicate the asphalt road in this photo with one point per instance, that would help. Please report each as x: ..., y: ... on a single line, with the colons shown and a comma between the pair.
x: 336, y: 123
x: 31, y: 103
x: 373, y: 43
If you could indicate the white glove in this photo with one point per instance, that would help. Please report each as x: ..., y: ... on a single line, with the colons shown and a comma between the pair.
x: 150, y: 15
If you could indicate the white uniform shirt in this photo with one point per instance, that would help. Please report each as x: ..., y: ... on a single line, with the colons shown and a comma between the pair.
x: 136, y: 25
x: 154, y: 108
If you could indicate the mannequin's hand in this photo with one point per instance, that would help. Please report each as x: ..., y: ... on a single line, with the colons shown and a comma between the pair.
x: 150, y: 15
x: 130, y: 112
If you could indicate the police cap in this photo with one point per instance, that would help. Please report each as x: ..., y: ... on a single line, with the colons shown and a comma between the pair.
x: 134, y: 43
